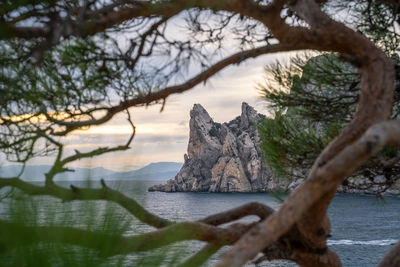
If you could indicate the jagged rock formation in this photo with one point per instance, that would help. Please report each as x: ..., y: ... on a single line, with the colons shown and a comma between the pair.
x: 223, y: 157
x: 227, y: 158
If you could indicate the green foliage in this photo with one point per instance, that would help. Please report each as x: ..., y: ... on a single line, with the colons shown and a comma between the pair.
x: 379, y: 22
x: 20, y: 247
x: 22, y: 241
x: 290, y: 142
x: 323, y: 82
x: 71, y: 80
x: 68, y: 78
x: 313, y: 98
x: 213, y: 131
x: 375, y: 19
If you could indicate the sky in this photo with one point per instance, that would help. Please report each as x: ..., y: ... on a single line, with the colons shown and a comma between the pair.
x: 163, y: 136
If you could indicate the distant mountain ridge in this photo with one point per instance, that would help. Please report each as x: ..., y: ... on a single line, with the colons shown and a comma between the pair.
x: 153, y: 171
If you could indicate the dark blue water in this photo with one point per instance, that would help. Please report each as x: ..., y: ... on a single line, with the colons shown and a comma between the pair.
x: 363, y: 227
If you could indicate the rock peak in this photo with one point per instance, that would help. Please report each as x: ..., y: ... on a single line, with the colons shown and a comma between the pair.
x: 249, y: 116
x: 199, y: 108
x: 245, y: 105
x: 227, y: 158
x: 222, y: 157
x: 199, y: 111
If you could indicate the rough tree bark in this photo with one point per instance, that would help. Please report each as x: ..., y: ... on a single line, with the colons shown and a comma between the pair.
x: 306, y: 207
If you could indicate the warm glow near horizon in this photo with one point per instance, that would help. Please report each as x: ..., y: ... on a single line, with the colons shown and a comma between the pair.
x: 163, y: 136
x: 126, y: 129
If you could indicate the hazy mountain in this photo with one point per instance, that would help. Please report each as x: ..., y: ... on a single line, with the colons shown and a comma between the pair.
x: 153, y: 171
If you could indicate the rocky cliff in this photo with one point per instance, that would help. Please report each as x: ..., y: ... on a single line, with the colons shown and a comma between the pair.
x: 227, y: 158
x: 223, y: 157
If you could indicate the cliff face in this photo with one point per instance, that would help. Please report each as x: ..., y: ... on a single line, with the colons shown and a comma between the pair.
x: 223, y: 157
x: 227, y: 158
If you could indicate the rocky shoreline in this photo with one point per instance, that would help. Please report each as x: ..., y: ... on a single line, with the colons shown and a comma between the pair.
x: 226, y: 158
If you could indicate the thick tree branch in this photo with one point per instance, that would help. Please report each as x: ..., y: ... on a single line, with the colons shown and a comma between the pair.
x: 374, y: 104
x: 322, y: 182
x: 252, y: 208
x: 377, y: 86
x: 121, y: 11
x: 295, y: 251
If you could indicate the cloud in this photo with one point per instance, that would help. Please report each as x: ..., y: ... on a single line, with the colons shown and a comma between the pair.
x: 163, y: 136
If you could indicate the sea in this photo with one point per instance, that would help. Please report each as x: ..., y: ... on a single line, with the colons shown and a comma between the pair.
x: 363, y: 227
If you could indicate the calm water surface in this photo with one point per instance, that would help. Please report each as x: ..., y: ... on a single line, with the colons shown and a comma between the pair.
x: 363, y: 227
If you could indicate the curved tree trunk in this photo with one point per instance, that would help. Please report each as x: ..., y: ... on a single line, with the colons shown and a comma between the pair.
x: 306, y: 208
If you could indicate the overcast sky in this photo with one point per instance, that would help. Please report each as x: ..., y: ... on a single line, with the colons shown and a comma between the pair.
x: 164, y: 136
